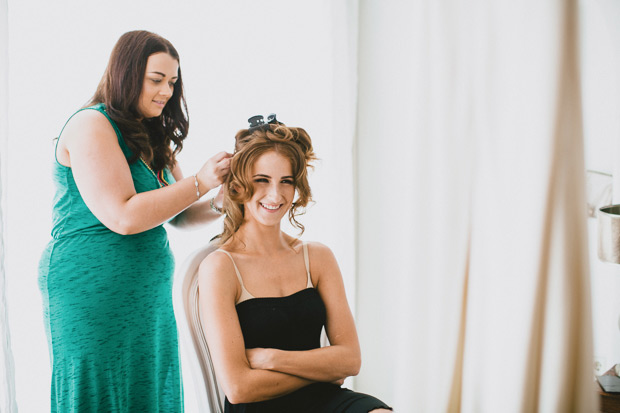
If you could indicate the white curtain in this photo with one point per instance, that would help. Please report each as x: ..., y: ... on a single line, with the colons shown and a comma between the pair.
x: 7, y: 376
x: 473, y: 289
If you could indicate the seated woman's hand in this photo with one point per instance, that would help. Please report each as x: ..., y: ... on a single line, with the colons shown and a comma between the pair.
x: 263, y: 358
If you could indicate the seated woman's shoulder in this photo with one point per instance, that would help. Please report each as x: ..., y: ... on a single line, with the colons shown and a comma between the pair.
x: 215, y: 263
x: 317, y: 246
x: 217, y: 274
x: 320, y: 251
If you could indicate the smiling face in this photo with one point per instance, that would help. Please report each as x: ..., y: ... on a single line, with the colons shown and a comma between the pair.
x: 162, y: 72
x: 274, y: 189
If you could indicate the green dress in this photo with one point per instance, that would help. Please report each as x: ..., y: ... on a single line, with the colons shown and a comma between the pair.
x: 108, y: 311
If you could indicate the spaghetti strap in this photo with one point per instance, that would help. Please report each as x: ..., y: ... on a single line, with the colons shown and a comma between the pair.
x: 307, y: 262
x: 245, y: 294
x: 234, y: 265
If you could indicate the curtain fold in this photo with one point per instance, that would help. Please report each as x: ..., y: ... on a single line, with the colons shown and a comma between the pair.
x: 8, y: 403
x: 339, y: 148
x: 481, y: 267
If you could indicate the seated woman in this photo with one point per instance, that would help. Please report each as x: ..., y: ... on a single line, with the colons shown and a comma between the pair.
x: 265, y: 295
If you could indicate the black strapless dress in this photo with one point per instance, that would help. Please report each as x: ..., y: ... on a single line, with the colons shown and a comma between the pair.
x: 294, y: 323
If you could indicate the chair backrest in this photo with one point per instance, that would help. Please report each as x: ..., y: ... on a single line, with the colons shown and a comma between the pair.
x: 208, y: 392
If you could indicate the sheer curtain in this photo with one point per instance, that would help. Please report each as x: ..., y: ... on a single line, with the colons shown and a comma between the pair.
x: 473, y: 287
x: 7, y: 380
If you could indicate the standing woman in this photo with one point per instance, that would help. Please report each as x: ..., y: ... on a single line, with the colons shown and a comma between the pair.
x: 106, y: 276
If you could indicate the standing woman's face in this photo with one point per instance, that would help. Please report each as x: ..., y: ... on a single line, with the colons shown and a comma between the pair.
x: 162, y: 72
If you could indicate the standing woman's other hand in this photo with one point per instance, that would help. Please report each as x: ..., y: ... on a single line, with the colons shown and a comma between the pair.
x: 218, y: 200
x: 214, y: 171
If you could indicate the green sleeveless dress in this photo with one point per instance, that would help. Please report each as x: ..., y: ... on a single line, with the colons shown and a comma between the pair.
x: 108, y: 311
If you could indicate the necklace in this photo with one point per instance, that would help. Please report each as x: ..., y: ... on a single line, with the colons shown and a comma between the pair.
x: 159, y: 175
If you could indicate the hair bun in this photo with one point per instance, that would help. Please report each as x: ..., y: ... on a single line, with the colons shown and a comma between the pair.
x: 297, y: 135
x: 278, y: 133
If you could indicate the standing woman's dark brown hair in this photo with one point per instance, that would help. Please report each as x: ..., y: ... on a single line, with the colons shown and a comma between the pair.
x: 120, y: 89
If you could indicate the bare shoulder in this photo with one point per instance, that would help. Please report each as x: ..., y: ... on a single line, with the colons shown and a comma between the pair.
x: 319, y: 252
x: 87, y: 132
x: 216, y: 263
x: 323, y: 264
x: 87, y: 124
x: 217, y: 271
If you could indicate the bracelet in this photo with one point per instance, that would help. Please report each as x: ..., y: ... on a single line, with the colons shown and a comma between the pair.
x: 196, y: 185
x: 215, y: 208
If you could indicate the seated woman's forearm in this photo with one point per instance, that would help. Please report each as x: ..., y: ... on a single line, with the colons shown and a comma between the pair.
x: 259, y: 385
x: 325, y: 364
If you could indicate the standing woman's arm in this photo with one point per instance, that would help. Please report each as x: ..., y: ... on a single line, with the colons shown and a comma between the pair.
x: 89, y: 146
x: 199, y: 212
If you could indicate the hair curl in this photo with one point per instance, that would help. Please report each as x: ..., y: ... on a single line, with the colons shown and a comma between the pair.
x: 120, y: 88
x: 292, y: 143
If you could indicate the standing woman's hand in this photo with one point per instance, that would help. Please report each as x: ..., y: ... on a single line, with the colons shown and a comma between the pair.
x: 214, y: 172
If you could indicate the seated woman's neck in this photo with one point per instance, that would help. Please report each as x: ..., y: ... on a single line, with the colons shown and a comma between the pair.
x: 260, y: 239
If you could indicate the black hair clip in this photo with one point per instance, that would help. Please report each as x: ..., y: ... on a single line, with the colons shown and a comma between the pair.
x: 258, y: 122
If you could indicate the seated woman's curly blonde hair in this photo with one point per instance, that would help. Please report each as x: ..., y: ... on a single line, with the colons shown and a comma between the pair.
x: 292, y: 143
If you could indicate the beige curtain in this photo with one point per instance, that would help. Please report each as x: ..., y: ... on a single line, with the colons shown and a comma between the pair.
x: 7, y: 375
x: 473, y: 289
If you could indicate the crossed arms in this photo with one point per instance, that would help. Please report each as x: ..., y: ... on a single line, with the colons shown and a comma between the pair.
x: 261, y: 374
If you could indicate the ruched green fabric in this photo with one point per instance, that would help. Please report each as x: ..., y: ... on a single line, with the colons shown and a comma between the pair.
x: 107, y: 301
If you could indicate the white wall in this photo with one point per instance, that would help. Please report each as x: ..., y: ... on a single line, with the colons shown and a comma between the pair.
x: 238, y: 59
